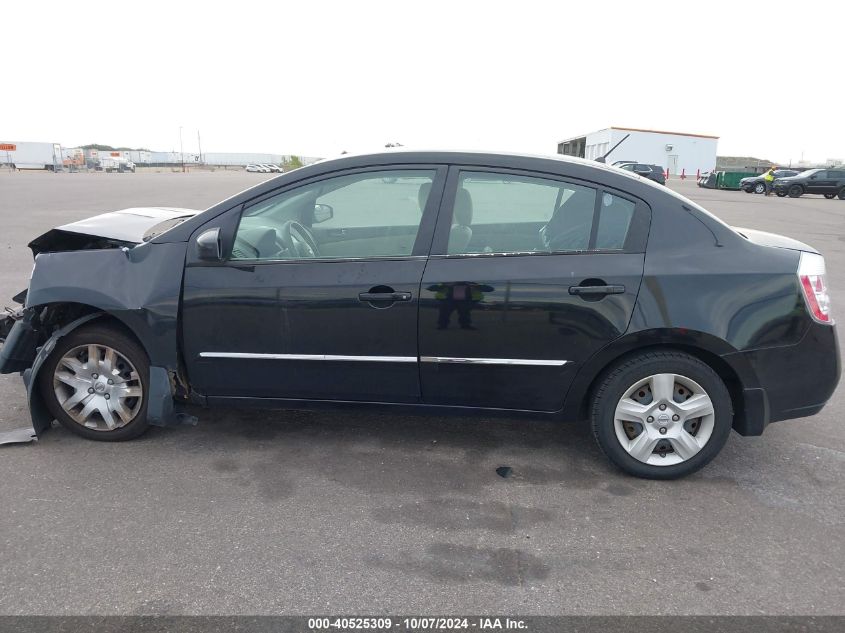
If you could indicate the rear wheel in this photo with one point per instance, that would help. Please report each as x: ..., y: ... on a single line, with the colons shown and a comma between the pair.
x: 760, y: 187
x: 95, y: 382
x: 795, y: 191
x: 661, y: 415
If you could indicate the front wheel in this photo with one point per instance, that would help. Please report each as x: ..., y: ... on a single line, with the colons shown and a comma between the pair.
x: 842, y: 193
x: 795, y: 191
x: 95, y: 383
x: 760, y: 187
x: 780, y: 194
x: 830, y: 196
x: 661, y: 415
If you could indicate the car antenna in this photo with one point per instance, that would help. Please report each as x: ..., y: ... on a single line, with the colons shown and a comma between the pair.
x: 716, y: 241
x: 603, y: 159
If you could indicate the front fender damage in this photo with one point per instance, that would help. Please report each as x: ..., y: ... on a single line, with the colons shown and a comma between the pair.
x: 140, y: 287
x: 161, y: 410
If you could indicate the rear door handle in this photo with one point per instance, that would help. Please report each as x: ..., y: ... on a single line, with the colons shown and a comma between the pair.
x: 596, y: 290
x: 385, y: 296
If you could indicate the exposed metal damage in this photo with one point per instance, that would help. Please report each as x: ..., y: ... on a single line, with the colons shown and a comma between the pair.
x: 101, y: 268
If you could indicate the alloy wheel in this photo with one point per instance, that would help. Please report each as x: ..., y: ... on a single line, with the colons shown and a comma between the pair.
x: 664, y: 419
x: 98, y: 387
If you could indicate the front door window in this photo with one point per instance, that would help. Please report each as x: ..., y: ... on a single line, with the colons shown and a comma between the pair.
x: 363, y: 215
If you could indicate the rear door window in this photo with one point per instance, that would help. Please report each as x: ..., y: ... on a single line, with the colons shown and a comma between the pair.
x: 497, y: 213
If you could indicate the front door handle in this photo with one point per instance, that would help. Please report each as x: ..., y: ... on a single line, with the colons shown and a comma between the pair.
x: 596, y: 290
x: 385, y: 296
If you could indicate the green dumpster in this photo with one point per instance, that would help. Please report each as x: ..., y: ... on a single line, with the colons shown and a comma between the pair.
x: 730, y: 179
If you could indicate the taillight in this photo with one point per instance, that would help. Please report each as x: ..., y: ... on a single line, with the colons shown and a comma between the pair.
x: 811, y: 275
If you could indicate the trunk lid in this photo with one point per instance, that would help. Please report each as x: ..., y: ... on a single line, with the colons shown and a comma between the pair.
x: 773, y: 239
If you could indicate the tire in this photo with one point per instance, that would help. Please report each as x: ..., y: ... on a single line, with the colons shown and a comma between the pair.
x: 760, y: 187
x: 124, y: 399
x: 841, y: 194
x: 745, y: 189
x: 830, y: 196
x: 631, y: 377
x: 780, y: 194
x: 795, y: 191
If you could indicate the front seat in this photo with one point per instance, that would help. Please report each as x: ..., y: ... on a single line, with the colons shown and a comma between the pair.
x: 461, y: 232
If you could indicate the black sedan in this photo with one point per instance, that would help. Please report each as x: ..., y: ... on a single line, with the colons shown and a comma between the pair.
x: 435, y: 281
x: 757, y: 184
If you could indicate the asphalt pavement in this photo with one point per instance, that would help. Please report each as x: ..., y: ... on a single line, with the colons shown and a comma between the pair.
x: 254, y: 512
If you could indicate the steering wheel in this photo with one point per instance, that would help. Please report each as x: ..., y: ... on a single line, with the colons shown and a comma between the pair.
x: 298, y: 240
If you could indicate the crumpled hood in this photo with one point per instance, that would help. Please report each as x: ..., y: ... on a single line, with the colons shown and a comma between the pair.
x: 773, y: 239
x: 108, y: 230
x: 128, y: 225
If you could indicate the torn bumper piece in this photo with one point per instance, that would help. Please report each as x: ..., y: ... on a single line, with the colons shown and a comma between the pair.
x: 18, y: 436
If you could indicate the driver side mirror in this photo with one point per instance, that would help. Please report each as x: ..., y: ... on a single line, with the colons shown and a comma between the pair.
x: 322, y: 212
x: 209, y: 248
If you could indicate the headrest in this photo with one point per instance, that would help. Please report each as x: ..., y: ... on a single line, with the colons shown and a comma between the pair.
x: 463, y: 208
x: 422, y: 195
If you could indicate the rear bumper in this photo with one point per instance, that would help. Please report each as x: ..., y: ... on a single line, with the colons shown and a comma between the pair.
x: 794, y: 381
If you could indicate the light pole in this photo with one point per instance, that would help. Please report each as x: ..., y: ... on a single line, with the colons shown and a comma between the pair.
x: 181, y: 151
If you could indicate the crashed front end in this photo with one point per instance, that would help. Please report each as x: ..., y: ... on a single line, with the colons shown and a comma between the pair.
x: 105, y: 267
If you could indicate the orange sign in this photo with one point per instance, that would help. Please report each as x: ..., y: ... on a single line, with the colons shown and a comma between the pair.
x: 8, y: 147
x: 115, y: 153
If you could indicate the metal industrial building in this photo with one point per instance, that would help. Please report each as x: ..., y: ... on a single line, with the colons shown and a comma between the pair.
x: 676, y: 151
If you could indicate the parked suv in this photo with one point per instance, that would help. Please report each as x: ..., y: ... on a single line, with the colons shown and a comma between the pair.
x: 436, y: 281
x: 828, y: 182
x: 652, y: 172
x: 757, y: 184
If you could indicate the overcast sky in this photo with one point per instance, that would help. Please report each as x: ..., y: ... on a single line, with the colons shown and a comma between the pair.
x: 316, y: 78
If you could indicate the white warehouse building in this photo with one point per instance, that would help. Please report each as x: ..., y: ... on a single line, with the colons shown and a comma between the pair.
x: 676, y: 151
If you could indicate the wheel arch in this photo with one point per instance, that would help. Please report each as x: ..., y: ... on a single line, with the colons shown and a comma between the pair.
x: 67, y: 314
x: 67, y: 317
x: 731, y: 368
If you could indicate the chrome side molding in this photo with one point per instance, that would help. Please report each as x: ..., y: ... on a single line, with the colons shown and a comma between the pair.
x: 335, y: 357
x: 390, y: 359
x: 493, y: 361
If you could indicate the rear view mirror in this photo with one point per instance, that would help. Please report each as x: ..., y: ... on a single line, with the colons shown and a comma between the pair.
x: 208, y: 245
x: 322, y: 212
